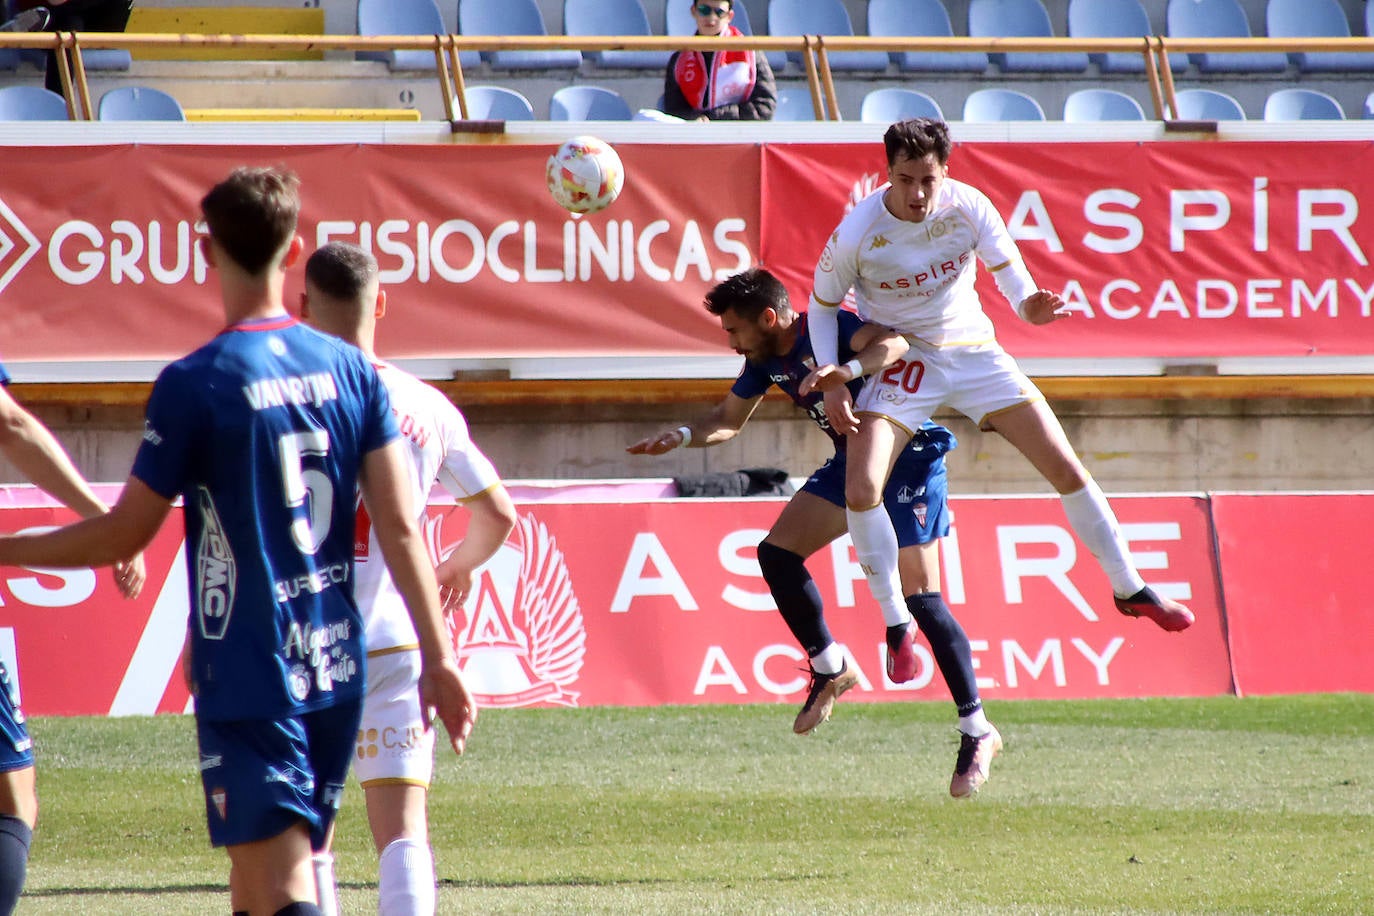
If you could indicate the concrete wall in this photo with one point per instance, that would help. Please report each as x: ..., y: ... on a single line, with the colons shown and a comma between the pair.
x: 1129, y: 445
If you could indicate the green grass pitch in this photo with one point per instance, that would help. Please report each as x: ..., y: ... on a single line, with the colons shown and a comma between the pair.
x: 1220, y: 805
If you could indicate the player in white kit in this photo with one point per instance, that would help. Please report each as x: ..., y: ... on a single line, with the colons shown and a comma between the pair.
x: 395, y: 756
x: 908, y: 252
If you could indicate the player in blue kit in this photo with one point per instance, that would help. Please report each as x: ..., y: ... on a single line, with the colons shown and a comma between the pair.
x: 264, y: 432
x: 28, y: 445
x: 756, y: 314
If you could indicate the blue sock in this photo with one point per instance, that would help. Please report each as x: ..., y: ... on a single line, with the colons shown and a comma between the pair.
x: 299, y: 908
x: 949, y: 644
x: 796, y: 595
x: 15, y: 837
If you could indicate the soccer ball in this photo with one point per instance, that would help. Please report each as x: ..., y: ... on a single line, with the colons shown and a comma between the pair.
x: 585, y: 175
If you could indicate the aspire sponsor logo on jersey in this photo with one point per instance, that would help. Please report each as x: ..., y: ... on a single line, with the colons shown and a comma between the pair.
x: 297, y: 390
x: 521, y: 640
x: 943, y: 273
x: 216, y: 570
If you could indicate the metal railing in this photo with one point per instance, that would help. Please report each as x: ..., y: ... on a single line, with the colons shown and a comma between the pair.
x: 813, y: 50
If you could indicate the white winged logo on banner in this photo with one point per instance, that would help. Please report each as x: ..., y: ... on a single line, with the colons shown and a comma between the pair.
x: 521, y: 640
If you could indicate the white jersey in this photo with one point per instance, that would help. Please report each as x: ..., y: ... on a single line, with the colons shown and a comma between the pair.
x: 440, y: 452
x: 917, y: 278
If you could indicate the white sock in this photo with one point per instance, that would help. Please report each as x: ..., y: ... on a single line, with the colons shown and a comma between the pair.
x: 829, y: 660
x: 325, y: 889
x: 976, y: 724
x: 875, y: 545
x: 1095, y: 524
x: 406, y: 879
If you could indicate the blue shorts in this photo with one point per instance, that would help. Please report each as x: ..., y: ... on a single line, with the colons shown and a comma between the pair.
x: 16, y: 748
x: 916, y: 496
x: 262, y: 776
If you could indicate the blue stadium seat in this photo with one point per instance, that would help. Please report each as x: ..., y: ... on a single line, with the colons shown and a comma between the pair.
x: 405, y: 17
x: 897, y: 18
x: 887, y: 106
x: 9, y: 59
x: 512, y: 17
x: 613, y: 17
x: 1302, y: 105
x: 1207, y: 105
x: 31, y: 103
x: 497, y: 103
x: 1001, y: 105
x: 821, y: 17
x: 1315, y: 18
x: 1115, y: 19
x: 1102, y: 105
x: 138, y: 103
x: 794, y: 104
x: 1220, y: 19
x: 1021, y: 19
x: 588, y: 103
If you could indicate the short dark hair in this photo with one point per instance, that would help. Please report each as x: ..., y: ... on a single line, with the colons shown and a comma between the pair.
x: 252, y: 215
x: 747, y: 294
x: 916, y: 139
x: 341, y: 271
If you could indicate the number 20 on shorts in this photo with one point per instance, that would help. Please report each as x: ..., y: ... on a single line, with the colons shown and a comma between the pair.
x: 904, y: 374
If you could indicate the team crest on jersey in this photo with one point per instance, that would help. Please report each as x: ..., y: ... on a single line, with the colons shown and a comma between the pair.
x: 219, y: 799
x: 521, y: 639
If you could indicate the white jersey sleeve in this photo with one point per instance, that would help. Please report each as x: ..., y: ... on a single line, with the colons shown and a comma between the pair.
x: 998, y: 252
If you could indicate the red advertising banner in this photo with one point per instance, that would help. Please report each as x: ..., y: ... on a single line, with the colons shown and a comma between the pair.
x: 1164, y: 250
x: 477, y: 257
x: 662, y: 602
x: 1296, y: 569
x: 1170, y: 250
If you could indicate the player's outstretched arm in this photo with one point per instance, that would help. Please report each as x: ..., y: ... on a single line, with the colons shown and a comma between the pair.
x: 384, y: 487
x: 103, y: 540
x: 492, y: 516
x: 720, y: 425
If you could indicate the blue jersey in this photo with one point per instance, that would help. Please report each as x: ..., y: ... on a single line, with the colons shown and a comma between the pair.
x: 16, y: 750
x: 787, y: 372
x: 262, y: 432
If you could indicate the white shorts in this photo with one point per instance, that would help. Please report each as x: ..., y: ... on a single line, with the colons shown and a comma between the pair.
x: 977, y: 381
x: 393, y: 744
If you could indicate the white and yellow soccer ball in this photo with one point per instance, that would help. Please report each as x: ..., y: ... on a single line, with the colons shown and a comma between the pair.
x: 585, y: 175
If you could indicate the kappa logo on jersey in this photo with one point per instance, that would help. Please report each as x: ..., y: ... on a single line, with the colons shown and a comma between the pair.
x: 13, y: 234
x: 522, y: 640
x: 216, y: 571
x: 879, y: 241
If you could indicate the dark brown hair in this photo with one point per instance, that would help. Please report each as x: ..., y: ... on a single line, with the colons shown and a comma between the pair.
x: 252, y: 215
x: 747, y: 294
x: 917, y: 139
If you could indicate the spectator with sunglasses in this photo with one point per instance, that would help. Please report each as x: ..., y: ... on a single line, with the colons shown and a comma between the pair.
x: 722, y: 85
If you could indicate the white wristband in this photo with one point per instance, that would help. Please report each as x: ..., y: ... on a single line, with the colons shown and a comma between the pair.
x: 856, y: 369
x: 686, y: 433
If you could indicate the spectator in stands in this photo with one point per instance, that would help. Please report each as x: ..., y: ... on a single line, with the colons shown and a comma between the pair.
x: 719, y: 85
x: 79, y: 16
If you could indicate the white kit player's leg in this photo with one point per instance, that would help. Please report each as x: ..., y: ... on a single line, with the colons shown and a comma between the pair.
x: 1095, y: 524
x: 325, y: 886
x: 406, y: 885
x: 875, y: 546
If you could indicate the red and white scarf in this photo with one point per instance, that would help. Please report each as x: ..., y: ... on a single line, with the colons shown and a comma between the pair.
x: 730, y: 82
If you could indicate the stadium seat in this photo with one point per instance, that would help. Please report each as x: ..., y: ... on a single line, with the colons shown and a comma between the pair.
x: 794, y: 104
x: 588, y: 103
x: 1207, y: 105
x: 138, y: 103
x: 680, y: 21
x: 821, y: 17
x: 1021, y: 19
x: 1101, y: 105
x: 497, y: 103
x: 613, y: 17
x: 1001, y: 105
x: 513, y: 17
x: 1302, y: 105
x: 1220, y: 19
x: 31, y: 103
x: 1115, y: 19
x: 899, y: 18
x: 887, y: 106
x: 405, y: 17
x: 1315, y: 18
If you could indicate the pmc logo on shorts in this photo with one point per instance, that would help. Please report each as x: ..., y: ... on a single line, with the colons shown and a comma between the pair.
x: 521, y: 639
